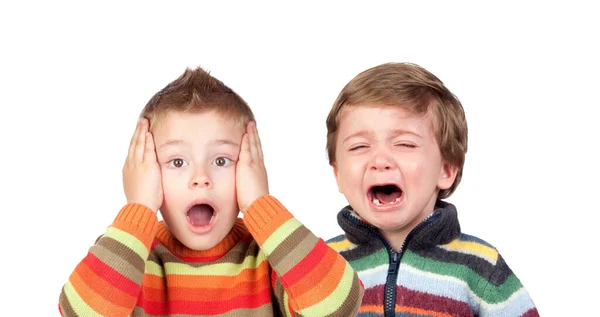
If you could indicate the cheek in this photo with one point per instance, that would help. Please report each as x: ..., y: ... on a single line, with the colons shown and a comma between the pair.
x: 224, y: 181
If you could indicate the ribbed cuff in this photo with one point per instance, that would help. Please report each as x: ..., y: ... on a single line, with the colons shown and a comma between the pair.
x: 138, y: 220
x: 264, y: 216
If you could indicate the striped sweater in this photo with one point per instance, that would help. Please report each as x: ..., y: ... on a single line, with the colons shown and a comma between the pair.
x: 438, y: 272
x: 268, y: 265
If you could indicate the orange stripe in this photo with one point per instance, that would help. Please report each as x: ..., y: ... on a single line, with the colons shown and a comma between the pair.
x: 103, y: 288
x: 96, y: 301
x: 223, y: 290
x: 402, y: 309
x: 326, y: 284
x: 267, y: 229
x: 420, y: 311
x: 207, y: 281
x: 371, y: 309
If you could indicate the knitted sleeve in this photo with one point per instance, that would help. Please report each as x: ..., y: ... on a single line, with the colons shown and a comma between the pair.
x: 107, y: 282
x: 504, y: 295
x: 311, y: 278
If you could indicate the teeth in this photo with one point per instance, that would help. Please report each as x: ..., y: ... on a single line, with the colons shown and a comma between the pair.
x: 212, y: 218
x: 378, y: 203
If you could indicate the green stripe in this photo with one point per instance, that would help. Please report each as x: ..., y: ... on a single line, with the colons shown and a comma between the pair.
x: 129, y: 241
x: 371, y: 261
x: 478, y: 284
x: 286, y: 229
x: 77, y: 303
x: 336, y: 299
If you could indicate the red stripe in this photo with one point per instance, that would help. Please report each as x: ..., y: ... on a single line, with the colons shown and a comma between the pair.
x: 113, y: 277
x: 310, y: 261
x: 205, y: 307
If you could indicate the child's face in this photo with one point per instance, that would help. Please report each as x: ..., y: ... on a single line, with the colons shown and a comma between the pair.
x: 389, y: 167
x: 197, y: 154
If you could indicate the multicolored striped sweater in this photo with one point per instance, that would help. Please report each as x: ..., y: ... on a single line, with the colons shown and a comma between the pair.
x: 438, y: 272
x: 269, y: 265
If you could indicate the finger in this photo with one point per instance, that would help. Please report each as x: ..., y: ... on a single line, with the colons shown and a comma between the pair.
x: 252, y: 141
x: 134, y: 139
x: 258, y: 143
x: 141, y: 142
x: 245, y: 148
x: 149, y: 152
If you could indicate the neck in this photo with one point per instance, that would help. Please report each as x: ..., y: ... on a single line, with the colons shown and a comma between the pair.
x: 396, y: 238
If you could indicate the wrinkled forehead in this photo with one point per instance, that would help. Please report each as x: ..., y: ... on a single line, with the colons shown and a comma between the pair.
x: 377, y: 113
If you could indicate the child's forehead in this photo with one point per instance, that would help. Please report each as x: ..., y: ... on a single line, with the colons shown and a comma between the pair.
x: 205, y: 126
x: 384, y: 119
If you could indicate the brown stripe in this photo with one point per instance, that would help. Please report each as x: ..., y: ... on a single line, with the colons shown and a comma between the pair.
x: 279, y: 292
x: 292, y: 250
x: 265, y: 310
x: 352, y: 303
x: 120, y: 258
x: 65, y: 305
x: 236, y: 255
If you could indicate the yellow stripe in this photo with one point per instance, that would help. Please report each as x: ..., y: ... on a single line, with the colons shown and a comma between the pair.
x: 286, y: 304
x: 129, y: 241
x: 473, y: 247
x: 336, y: 299
x: 280, y: 234
x: 221, y: 269
x: 152, y: 268
x: 77, y: 303
x: 340, y: 245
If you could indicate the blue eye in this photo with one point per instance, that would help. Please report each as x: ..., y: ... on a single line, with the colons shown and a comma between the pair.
x: 221, y: 161
x: 177, y: 163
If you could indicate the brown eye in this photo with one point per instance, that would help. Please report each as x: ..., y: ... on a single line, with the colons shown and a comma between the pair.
x: 178, y: 163
x: 221, y: 161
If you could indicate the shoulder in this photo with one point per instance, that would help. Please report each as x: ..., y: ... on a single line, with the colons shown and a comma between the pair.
x: 473, y: 245
x: 339, y: 243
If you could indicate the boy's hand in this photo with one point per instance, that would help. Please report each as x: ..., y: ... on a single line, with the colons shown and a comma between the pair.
x: 141, y: 172
x: 251, y: 175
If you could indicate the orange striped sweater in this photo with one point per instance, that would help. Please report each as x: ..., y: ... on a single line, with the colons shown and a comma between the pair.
x: 268, y: 265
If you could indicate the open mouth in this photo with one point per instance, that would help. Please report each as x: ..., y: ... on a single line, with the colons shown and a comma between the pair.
x: 200, y: 215
x: 381, y: 195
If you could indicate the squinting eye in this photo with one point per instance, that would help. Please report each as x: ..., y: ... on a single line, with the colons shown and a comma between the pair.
x: 357, y: 147
x: 178, y: 163
x: 406, y: 145
x: 222, y: 161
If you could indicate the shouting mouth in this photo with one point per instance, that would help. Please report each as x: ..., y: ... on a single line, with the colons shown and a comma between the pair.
x: 201, y: 217
x: 385, y: 197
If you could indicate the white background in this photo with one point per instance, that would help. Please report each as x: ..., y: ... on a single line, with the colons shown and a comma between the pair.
x: 74, y: 77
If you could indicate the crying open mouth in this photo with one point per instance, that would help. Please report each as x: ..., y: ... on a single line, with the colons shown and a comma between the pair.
x: 385, y: 194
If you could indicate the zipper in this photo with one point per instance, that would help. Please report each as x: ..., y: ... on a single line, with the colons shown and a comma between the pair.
x: 394, y: 257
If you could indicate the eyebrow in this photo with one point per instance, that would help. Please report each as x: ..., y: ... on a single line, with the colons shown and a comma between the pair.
x: 369, y: 134
x: 214, y: 142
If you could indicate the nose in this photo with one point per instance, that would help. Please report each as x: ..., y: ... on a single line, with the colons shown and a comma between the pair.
x: 382, y: 161
x: 200, y: 179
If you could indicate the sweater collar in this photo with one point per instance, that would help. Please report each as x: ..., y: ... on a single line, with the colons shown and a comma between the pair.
x: 237, y: 233
x: 441, y: 228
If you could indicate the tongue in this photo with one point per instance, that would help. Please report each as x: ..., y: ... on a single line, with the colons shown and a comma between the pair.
x: 200, y: 215
x: 387, y: 196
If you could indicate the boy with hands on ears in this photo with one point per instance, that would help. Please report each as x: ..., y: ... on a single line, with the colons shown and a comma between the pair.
x: 196, y: 157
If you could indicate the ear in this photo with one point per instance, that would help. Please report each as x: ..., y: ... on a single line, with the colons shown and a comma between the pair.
x: 447, y: 175
x: 337, y: 176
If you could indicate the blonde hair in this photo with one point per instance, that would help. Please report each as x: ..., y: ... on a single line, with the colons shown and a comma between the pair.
x: 416, y: 90
x: 197, y: 91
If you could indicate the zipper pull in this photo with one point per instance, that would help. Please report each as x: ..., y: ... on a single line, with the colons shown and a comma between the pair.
x: 393, y: 264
